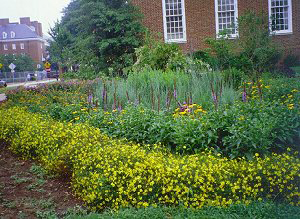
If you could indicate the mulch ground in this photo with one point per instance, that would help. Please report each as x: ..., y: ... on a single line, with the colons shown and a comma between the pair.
x: 25, y: 192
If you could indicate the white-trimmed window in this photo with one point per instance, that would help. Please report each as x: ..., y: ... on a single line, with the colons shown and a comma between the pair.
x: 226, y: 17
x: 12, y: 34
x: 22, y: 45
x: 13, y: 46
x: 174, y: 21
x: 5, y: 47
x: 4, y: 35
x: 280, y: 12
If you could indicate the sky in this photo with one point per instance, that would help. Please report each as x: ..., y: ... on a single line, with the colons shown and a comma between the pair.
x: 46, y: 12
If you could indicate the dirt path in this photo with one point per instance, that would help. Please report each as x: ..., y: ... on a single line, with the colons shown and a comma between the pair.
x: 27, y: 192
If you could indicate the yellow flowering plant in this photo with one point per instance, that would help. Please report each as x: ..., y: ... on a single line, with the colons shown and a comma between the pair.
x: 115, y: 173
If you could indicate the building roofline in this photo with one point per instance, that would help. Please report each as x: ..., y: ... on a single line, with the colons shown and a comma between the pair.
x: 22, y: 39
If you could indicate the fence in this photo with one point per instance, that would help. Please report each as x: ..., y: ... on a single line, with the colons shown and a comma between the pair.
x: 16, y: 77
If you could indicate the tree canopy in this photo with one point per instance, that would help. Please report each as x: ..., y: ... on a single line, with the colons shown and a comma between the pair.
x: 22, y: 62
x: 100, y: 35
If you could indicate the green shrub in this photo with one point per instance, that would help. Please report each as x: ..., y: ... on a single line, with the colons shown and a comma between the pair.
x: 291, y: 60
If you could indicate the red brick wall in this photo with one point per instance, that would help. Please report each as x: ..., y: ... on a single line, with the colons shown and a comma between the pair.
x: 31, y: 48
x: 200, y: 21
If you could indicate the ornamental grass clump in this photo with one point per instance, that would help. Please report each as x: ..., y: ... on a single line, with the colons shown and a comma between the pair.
x: 113, y: 173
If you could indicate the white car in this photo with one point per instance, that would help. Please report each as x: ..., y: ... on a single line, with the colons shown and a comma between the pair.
x: 3, y: 83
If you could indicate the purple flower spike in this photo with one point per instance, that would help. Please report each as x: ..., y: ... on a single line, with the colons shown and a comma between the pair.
x: 90, y: 98
x: 175, y: 94
x: 244, y: 97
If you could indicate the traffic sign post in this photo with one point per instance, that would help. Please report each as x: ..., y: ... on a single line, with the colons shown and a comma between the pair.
x: 12, y: 67
x: 47, y: 65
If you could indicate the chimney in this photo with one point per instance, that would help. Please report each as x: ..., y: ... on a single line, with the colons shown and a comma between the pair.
x: 35, y: 24
x: 25, y: 20
x: 4, y: 21
x: 40, y: 29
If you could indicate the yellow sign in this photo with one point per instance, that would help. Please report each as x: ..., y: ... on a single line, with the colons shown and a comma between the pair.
x: 1, y: 65
x: 47, y: 65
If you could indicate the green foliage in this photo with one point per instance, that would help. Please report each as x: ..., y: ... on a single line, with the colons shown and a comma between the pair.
x: 22, y: 62
x: 97, y: 34
x: 158, y: 55
x: 255, y: 42
x: 291, y: 60
x: 160, y: 90
x: 222, y: 52
x: 268, y: 121
x: 253, y: 52
x: 262, y: 210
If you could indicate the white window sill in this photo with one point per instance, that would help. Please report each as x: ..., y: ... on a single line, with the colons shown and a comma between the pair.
x: 175, y: 41
x: 278, y: 33
x: 231, y: 37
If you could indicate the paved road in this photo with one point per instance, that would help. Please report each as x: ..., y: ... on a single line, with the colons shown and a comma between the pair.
x: 25, y: 84
x: 30, y: 83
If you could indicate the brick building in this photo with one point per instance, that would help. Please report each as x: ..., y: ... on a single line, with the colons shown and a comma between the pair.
x: 25, y: 37
x: 189, y: 22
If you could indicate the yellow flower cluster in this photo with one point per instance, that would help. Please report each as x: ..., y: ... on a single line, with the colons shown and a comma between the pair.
x: 288, y: 99
x: 111, y: 173
x: 192, y: 110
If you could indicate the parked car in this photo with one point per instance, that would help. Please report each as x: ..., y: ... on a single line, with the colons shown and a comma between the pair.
x: 3, y: 83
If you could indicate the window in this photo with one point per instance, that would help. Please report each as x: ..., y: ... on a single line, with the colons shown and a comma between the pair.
x: 12, y: 34
x: 22, y: 45
x: 4, y: 35
x: 13, y: 46
x: 5, y: 47
x: 226, y: 16
x: 174, y: 20
x: 280, y: 12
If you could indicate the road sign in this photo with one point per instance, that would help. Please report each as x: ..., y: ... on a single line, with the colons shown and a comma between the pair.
x: 38, y: 66
x: 12, y: 66
x: 1, y: 65
x: 47, y: 65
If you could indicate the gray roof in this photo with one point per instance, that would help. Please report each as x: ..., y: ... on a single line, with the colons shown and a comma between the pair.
x: 22, y: 31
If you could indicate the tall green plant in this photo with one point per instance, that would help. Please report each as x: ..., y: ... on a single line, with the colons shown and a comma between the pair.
x: 160, y: 90
x: 258, y: 52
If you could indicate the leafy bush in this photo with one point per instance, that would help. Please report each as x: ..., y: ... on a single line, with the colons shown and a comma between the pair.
x: 109, y: 173
x: 253, y: 52
x: 158, y: 55
x: 291, y: 60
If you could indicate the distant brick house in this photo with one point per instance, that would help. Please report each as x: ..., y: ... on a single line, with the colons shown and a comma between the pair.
x: 25, y: 37
x: 189, y: 22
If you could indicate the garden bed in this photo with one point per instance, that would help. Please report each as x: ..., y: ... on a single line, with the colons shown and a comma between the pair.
x: 191, y: 155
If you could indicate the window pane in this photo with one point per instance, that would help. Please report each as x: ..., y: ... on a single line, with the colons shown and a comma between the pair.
x: 174, y: 17
x: 226, y: 15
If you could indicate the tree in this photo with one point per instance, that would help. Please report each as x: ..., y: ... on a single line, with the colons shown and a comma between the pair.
x: 22, y: 62
x: 100, y: 35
